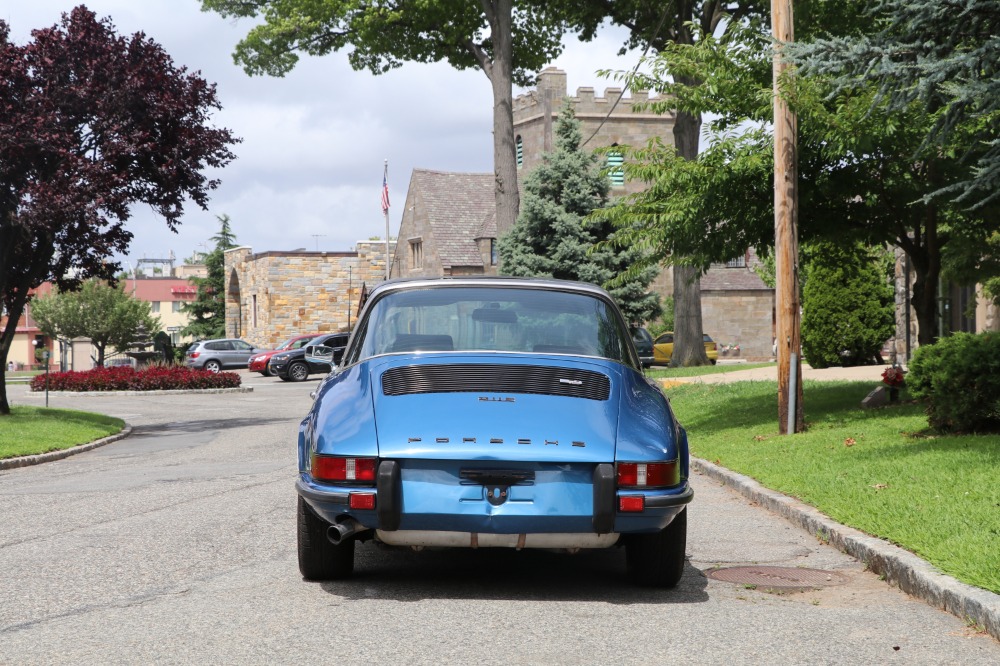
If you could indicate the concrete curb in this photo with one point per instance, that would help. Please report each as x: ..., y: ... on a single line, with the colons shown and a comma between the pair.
x: 93, y: 394
x: 899, y: 567
x: 25, y: 461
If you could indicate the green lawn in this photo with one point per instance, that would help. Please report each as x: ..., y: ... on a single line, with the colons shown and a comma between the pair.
x: 31, y: 430
x: 663, y: 372
x: 877, y: 470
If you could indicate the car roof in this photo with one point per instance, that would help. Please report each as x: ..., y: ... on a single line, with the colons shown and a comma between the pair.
x: 400, y: 284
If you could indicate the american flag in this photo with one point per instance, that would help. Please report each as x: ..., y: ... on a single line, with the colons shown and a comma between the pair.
x: 385, y: 192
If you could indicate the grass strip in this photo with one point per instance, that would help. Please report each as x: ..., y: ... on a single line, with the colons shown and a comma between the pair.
x: 32, y: 430
x: 662, y: 372
x: 878, y: 470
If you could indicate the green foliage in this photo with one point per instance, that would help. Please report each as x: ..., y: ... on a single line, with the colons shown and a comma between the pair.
x: 553, y: 236
x: 108, y: 315
x: 958, y: 378
x: 942, y: 55
x: 666, y: 321
x: 847, y: 306
x: 207, y: 312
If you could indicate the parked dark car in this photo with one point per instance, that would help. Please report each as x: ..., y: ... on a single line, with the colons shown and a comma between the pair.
x: 492, y: 413
x: 259, y: 361
x: 292, y: 365
x: 643, y: 342
x: 216, y: 355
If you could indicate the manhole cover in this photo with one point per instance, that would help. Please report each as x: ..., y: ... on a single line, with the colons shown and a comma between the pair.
x: 778, y: 578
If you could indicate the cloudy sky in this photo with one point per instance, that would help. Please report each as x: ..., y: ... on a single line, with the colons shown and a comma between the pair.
x: 309, y: 171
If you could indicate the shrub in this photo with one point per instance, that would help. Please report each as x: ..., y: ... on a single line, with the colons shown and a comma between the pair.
x: 959, y: 379
x: 847, y: 306
x: 125, y: 378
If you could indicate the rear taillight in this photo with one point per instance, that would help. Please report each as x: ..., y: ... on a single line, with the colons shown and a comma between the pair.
x: 648, y: 475
x: 193, y: 354
x: 329, y: 468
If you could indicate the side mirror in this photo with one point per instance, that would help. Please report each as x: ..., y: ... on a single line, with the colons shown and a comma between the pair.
x: 320, y: 354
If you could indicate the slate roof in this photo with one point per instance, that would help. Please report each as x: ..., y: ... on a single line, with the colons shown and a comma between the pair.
x: 459, y: 207
x: 720, y: 278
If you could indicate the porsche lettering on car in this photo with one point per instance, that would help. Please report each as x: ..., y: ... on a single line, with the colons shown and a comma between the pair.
x: 491, y: 412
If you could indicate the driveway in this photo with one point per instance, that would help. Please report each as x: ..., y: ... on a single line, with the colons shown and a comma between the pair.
x: 177, y: 545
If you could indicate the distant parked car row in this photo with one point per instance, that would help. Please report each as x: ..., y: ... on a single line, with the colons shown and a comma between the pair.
x: 287, y: 362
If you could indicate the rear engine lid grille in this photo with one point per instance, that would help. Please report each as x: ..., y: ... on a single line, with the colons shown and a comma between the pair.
x: 479, y: 378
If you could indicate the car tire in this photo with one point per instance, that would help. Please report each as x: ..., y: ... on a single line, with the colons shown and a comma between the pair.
x: 213, y: 366
x: 319, y: 559
x: 267, y: 372
x: 713, y: 361
x: 657, y: 560
x: 298, y: 372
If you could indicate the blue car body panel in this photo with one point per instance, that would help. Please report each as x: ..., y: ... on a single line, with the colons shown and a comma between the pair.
x: 555, y: 445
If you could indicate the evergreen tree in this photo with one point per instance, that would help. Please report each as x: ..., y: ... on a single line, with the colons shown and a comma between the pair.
x: 208, y: 310
x: 847, y: 305
x: 107, y: 315
x: 554, y: 237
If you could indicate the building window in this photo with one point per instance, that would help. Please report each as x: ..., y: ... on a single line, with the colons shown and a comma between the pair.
x: 493, y: 252
x: 175, y: 306
x: 155, y: 307
x: 416, y: 254
x: 615, y: 171
x: 520, y: 151
x: 737, y: 262
x: 255, y: 310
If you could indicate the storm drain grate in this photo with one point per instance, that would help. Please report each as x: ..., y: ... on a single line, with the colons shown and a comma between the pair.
x: 778, y: 578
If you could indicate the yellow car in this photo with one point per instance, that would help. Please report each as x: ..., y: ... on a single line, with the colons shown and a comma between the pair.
x: 663, y: 349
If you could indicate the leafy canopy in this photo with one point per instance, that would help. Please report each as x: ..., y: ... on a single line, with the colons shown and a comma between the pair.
x: 106, y: 314
x: 92, y: 123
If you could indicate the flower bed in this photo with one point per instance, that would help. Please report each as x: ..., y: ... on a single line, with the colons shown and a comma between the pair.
x: 124, y: 378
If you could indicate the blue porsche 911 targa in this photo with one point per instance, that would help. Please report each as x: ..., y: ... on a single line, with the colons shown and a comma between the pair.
x: 491, y: 412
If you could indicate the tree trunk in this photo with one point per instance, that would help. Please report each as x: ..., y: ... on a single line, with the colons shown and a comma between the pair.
x: 689, y: 346
x: 508, y: 200
x: 6, y: 339
x: 925, y: 299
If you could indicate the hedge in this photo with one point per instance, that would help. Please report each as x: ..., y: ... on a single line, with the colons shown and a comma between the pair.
x: 124, y: 378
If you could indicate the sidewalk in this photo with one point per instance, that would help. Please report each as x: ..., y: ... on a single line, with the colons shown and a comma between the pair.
x: 864, y: 373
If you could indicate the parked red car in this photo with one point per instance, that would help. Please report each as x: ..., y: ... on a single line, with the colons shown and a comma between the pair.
x: 258, y: 362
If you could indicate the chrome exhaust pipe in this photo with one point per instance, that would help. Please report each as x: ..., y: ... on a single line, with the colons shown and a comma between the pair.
x: 343, y: 530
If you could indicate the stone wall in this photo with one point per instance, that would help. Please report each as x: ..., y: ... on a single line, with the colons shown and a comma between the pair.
x: 743, y: 318
x: 272, y: 296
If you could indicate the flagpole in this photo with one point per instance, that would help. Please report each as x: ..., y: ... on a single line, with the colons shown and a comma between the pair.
x: 385, y: 209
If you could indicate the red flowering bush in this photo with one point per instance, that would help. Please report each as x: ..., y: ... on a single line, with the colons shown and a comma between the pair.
x: 125, y: 378
x: 893, y: 376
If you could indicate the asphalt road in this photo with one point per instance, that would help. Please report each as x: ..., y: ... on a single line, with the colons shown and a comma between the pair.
x: 177, y: 546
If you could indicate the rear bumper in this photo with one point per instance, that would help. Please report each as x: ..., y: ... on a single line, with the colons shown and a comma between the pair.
x: 419, y: 507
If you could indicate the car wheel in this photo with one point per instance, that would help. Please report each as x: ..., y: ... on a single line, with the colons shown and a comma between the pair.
x: 297, y: 372
x: 714, y: 361
x: 267, y: 372
x: 213, y: 366
x: 657, y: 560
x: 318, y: 558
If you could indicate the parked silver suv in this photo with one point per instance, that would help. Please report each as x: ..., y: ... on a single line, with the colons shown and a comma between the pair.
x: 216, y: 355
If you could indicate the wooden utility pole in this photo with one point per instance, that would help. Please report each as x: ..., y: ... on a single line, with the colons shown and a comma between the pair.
x: 786, y: 236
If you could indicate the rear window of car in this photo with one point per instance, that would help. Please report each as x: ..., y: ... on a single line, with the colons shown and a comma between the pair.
x: 507, y: 319
x: 220, y: 345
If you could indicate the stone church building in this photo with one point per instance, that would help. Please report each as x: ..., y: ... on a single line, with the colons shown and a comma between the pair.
x: 448, y: 228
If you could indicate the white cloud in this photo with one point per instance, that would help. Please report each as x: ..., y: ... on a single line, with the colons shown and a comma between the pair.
x: 314, y: 141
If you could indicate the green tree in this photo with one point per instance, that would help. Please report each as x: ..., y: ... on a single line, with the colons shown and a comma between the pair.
x: 942, y: 55
x: 506, y: 40
x: 92, y: 123
x: 106, y: 314
x: 553, y: 236
x: 207, y: 312
x: 847, y: 305
x: 864, y: 176
x: 662, y: 27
